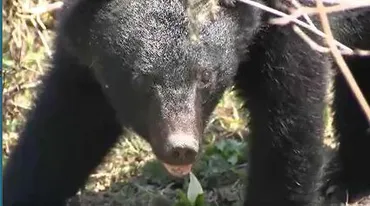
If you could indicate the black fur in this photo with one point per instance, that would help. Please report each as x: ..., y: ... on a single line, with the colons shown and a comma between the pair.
x: 131, y: 63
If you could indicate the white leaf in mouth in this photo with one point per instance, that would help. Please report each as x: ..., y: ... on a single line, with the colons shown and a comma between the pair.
x: 195, y: 188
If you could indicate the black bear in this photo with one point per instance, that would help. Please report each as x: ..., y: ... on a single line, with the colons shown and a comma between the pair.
x: 131, y: 63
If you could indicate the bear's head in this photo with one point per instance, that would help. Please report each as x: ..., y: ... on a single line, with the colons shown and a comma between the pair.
x: 162, y: 84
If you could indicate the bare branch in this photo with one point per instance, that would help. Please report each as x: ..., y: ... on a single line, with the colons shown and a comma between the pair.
x: 344, y: 5
x: 309, y: 41
x: 340, y: 60
x: 298, y: 22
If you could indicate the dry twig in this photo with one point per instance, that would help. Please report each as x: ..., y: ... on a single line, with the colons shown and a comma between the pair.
x: 344, y: 5
x: 327, y: 34
x: 340, y: 60
x: 296, y: 21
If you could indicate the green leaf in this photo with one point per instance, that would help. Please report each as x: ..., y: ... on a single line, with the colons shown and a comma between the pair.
x: 233, y: 159
x: 221, y: 145
x: 199, y: 201
x: 183, y: 200
x: 194, y: 188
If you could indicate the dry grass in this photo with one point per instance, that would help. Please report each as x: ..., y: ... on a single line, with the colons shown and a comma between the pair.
x: 24, y: 60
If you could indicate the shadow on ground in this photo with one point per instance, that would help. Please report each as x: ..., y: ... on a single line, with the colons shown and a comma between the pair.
x: 154, y: 187
x: 129, y: 179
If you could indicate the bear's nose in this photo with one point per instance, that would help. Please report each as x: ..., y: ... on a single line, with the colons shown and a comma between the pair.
x: 184, y: 154
x: 182, y: 149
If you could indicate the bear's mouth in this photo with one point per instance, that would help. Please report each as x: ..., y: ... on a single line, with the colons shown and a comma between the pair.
x: 178, y: 170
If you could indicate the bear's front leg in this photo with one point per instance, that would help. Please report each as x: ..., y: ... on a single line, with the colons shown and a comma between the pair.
x: 285, y: 84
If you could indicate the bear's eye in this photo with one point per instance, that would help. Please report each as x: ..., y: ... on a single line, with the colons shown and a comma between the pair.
x: 205, y: 79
